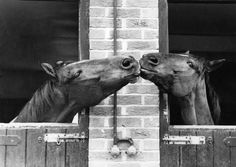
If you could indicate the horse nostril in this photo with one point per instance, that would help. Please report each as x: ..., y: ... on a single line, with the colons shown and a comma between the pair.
x: 153, y: 60
x: 126, y: 63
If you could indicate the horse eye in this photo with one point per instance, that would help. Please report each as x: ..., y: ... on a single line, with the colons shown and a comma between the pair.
x: 126, y: 63
x: 153, y: 60
x: 77, y: 74
x: 190, y: 64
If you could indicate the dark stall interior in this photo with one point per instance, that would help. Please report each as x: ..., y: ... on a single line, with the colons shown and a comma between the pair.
x: 32, y: 32
x: 208, y: 28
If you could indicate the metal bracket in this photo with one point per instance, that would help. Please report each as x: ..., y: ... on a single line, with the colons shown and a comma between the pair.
x: 9, y: 140
x: 230, y: 141
x: 184, y: 140
x: 63, y: 137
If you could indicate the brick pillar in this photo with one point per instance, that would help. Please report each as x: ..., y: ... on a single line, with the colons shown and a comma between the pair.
x: 137, y: 103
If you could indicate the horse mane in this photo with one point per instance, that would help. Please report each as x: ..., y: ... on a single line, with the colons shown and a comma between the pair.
x: 41, y: 101
x: 212, y: 97
x: 213, y: 100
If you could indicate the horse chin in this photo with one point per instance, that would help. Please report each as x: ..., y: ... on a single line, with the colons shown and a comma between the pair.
x: 111, y: 86
x: 146, y: 74
x: 133, y: 80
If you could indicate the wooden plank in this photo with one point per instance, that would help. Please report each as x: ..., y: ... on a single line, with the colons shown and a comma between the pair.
x: 2, y: 150
x: 188, y: 153
x: 205, y: 152
x: 233, y: 152
x: 83, y: 30
x: 36, y: 151
x: 55, y: 153
x: 73, y: 150
x: 203, y: 127
x: 16, y: 155
x: 83, y: 123
x: 37, y: 125
x: 169, y: 153
x: 221, y: 151
x: 163, y: 26
x: 164, y: 113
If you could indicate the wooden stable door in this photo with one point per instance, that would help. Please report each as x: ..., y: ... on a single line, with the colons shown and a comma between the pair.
x: 199, y: 146
x: 43, y: 145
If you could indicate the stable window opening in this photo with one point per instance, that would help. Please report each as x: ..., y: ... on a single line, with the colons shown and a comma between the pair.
x: 206, y: 29
x: 33, y: 32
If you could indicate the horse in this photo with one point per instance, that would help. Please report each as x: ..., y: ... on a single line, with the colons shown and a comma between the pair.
x: 77, y: 85
x: 185, y: 77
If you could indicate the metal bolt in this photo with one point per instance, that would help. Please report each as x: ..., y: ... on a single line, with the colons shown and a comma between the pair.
x: 210, y: 140
x: 40, y: 139
x: 82, y: 135
x: 115, y: 151
x: 131, y: 151
x: 58, y: 142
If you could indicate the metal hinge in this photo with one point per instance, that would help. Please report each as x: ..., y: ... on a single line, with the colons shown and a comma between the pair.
x: 184, y: 140
x: 63, y: 137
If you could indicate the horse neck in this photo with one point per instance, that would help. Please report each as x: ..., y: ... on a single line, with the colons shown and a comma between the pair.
x: 214, y: 102
x: 44, y: 104
x: 194, y: 107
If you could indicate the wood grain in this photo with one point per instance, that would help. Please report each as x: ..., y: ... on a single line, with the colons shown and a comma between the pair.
x: 221, y: 151
x: 36, y: 151
x: 73, y: 150
x: 205, y: 152
x: 16, y: 155
x: 233, y: 152
x: 2, y: 150
x: 170, y: 153
x: 188, y: 153
x: 55, y: 153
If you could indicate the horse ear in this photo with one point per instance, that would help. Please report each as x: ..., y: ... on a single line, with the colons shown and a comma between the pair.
x: 187, y: 52
x: 48, y: 69
x: 214, y: 64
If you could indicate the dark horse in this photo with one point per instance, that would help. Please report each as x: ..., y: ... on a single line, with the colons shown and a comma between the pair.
x: 185, y: 78
x: 76, y: 85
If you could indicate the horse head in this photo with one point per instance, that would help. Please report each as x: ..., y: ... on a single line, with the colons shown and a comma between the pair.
x: 184, y: 77
x: 177, y: 74
x: 88, y: 82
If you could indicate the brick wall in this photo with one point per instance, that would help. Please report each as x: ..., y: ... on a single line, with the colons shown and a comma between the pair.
x: 137, y: 103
